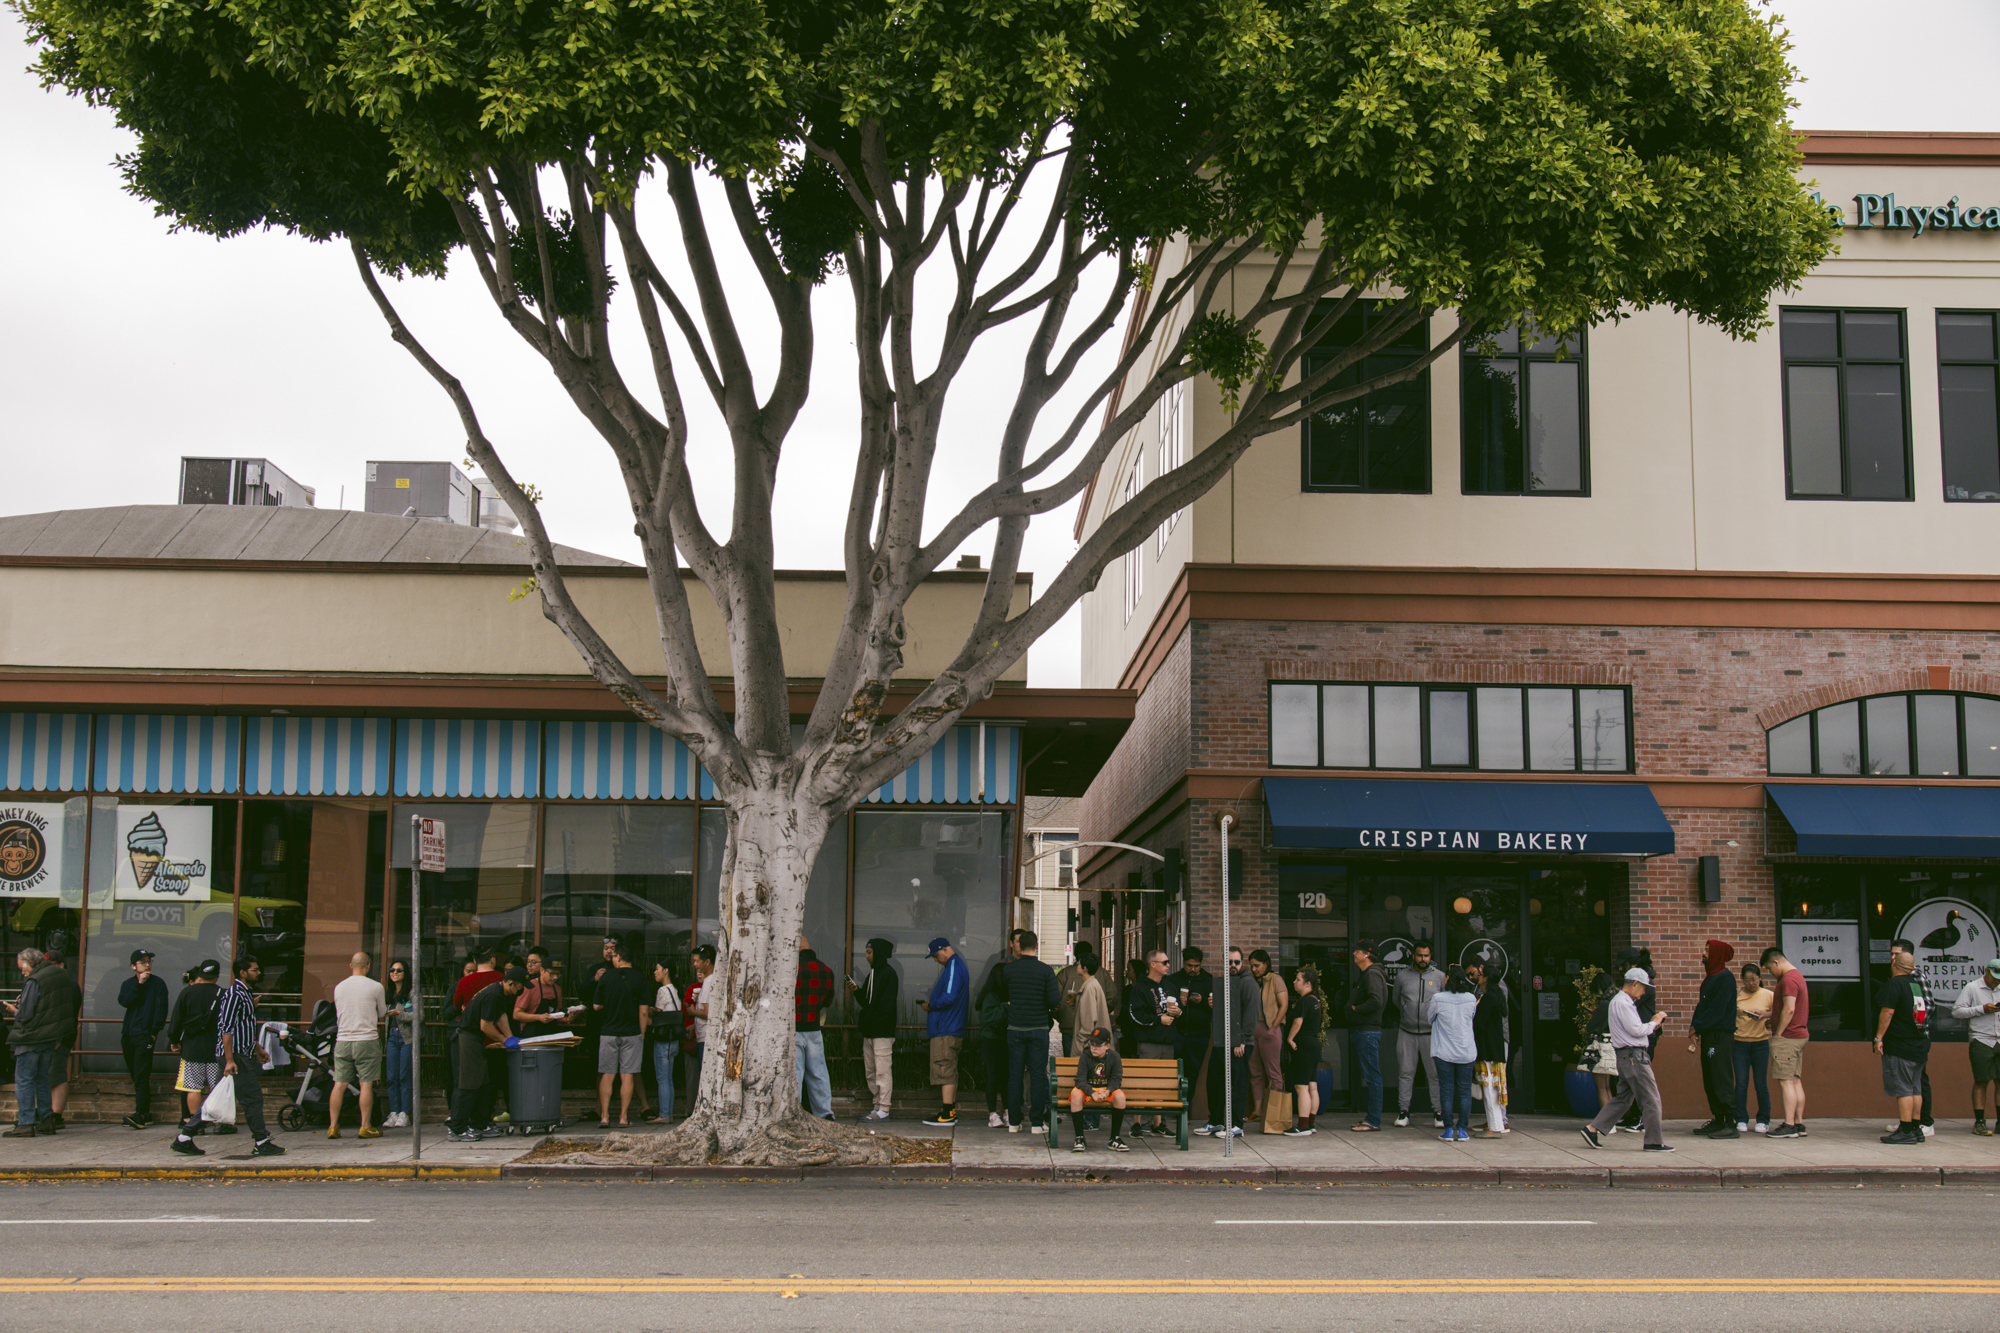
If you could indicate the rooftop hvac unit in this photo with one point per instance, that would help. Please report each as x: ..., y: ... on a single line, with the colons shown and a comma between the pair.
x: 241, y: 481
x: 436, y: 491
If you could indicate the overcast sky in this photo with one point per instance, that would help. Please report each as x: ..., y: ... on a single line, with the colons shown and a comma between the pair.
x: 124, y: 347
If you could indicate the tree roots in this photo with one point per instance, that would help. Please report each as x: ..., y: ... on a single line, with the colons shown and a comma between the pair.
x: 702, y: 1140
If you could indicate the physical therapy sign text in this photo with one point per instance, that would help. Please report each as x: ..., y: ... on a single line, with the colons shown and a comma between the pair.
x: 1873, y: 212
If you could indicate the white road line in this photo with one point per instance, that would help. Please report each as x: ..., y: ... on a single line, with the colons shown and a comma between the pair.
x: 175, y: 1218
x: 1393, y: 1222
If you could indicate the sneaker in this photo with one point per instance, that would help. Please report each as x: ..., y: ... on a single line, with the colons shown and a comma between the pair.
x: 1206, y: 1130
x: 502, y: 1118
x: 1780, y: 1131
x: 1659, y: 1147
x: 1119, y: 1145
x: 1297, y: 1132
x: 1447, y: 1137
x: 1079, y: 1145
x: 1799, y: 1130
x: 266, y: 1148
x: 1724, y: 1133
x: 944, y: 1118
x: 1013, y: 1128
x: 1590, y: 1138
x: 49, y: 1123
x: 1763, y: 1127
x: 1743, y: 1127
x: 1930, y: 1131
x: 1437, y: 1122
x: 187, y: 1148
x: 460, y: 1136
x: 1136, y: 1132
x: 1980, y: 1127
x: 20, y: 1132
x: 133, y: 1122
x: 1236, y: 1131
x: 333, y: 1131
x: 1403, y: 1120
x: 493, y: 1132
x: 1909, y: 1136
x: 994, y: 1120
x: 1461, y: 1136
x: 876, y: 1115
x: 1038, y: 1129
x: 368, y: 1132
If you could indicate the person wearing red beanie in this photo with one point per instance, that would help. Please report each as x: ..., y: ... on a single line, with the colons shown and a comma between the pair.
x: 1714, y: 1029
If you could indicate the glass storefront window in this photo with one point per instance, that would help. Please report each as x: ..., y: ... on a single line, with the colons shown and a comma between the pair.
x: 625, y: 870
x: 312, y: 886
x: 1949, y: 914
x: 485, y: 895
x: 41, y: 883
x: 1313, y: 908
x: 1821, y: 928
x: 919, y: 874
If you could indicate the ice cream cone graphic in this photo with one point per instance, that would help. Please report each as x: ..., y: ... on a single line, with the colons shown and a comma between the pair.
x: 146, y: 846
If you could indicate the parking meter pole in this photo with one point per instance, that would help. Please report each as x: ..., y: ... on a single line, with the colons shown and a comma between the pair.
x: 416, y: 998
x: 1228, y: 1065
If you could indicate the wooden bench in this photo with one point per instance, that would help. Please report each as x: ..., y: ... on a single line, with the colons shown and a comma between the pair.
x: 1149, y: 1086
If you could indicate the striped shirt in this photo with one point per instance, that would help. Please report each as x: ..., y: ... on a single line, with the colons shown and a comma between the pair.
x: 236, y: 1018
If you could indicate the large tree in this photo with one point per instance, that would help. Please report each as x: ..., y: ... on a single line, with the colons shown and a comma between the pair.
x: 1017, y: 162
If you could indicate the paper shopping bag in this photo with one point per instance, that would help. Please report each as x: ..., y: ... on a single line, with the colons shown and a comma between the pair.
x: 1277, y: 1112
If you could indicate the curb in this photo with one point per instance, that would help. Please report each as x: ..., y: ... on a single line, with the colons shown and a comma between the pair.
x: 30, y: 1175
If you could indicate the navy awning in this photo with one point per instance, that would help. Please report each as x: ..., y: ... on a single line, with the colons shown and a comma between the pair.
x: 1517, y: 818
x: 1903, y: 822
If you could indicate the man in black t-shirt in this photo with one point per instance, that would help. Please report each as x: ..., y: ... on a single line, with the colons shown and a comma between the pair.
x: 1903, y: 1040
x: 487, y: 1018
x: 623, y: 1003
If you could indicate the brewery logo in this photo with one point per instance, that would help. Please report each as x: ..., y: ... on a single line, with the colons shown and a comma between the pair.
x: 1954, y: 940
x: 1488, y: 953
x: 24, y: 850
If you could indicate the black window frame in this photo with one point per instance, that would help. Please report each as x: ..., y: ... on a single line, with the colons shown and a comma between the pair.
x: 1992, y: 363
x: 1862, y: 701
x: 1840, y: 364
x: 1471, y: 690
x: 1420, y: 387
x: 1470, y: 353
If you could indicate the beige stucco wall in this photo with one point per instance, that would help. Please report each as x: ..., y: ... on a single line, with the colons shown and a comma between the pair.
x: 1686, y: 449
x: 395, y: 622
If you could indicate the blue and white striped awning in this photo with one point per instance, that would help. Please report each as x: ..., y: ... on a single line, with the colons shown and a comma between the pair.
x: 44, y: 751
x: 150, y: 752
x: 621, y: 761
x: 318, y: 756
x: 944, y: 776
x: 467, y: 757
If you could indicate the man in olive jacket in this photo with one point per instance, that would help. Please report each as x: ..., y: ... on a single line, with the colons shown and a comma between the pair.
x: 44, y: 1020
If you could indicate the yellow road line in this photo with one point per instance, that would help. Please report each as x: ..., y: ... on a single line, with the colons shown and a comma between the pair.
x: 1005, y: 1286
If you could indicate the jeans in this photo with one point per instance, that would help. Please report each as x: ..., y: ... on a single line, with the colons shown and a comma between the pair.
x: 396, y: 1070
x: 32, y: 1067
x: 809, y: 1066
x: 1368, y: 1050
x: 1410, y: 1048
x: 1239, y: 1087
x: 1028, y: 1053
x: 664, y: 1054
x: 995, y: 1051
x: 139, y: 1064
x: 1753, y: 1061
x: 1455, y: 1094
x: 1635, y: 1086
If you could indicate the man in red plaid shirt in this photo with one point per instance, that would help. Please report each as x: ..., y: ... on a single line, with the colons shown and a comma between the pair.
x: 815, y: 993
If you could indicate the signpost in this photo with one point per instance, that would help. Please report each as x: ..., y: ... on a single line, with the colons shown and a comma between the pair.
x: 426, y: 854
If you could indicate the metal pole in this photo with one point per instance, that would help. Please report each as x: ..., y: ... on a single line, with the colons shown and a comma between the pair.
x: 1228, y: 985
x: 416, y: 997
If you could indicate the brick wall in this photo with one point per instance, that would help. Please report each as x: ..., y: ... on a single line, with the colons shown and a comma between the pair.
x: 1149, y: 758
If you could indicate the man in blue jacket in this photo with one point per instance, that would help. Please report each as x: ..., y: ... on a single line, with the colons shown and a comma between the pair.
x: 143, y: 997
x: 945, y: 1013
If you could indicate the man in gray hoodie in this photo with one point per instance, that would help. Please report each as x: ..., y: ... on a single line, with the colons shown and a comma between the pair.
x: 1234, y: 1040
x: 1415, y: 985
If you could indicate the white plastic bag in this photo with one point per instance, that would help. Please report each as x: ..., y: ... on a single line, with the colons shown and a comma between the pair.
x: 220, y: 1106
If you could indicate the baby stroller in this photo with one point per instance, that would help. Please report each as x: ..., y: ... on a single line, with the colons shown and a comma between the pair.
x: 311, y: 1047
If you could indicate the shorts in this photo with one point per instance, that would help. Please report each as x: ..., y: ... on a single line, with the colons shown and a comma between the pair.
x: 1101, y: 1096
x: 59, y: 1067
x: 1788, y: 1058
x: 1156, y: 1050
x: 357, y: 1062
x: 619, y: 1055
x: 944, y: 1060
x: 1985, y: 1062
x: 197, y: 1077
x: 1600, y: 1057
x: 1902, y: 1078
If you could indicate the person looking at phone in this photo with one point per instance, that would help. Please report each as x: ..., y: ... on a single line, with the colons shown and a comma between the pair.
x: 1100, y: 1083
x: 1632, y: 1038
x: 1153, y: 1009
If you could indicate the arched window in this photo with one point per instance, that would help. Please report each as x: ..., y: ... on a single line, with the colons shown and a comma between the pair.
x: 1929, y: 735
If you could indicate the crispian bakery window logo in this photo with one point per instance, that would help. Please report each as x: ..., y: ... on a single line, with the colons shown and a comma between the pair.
x: 1954, y: 940
x: 166, y: 849
x: 31, y: 847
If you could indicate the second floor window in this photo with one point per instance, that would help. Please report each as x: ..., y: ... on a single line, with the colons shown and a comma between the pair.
x: 1969, y: 404
x: 1380, y: 441
x: 1929, y: 735
x: 1525, y: 411
x: 1496, y: 728
x: 1173, y: 450
x: 1847, y: 425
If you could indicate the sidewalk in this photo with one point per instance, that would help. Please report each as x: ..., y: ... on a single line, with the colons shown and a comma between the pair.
x: 1541, y: 1151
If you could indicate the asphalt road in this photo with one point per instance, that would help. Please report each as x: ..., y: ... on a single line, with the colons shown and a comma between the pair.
x: 967, y: 1255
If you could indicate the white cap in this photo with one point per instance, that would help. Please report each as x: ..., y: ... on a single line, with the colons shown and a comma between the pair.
x: 1638, y: 974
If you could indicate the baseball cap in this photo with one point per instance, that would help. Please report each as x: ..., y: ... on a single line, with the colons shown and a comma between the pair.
x: 1099, y: 1037
x: 1994, y: 967
x: 1638, y: 974
x: 516, y: 974
x: 137, y: 954
x: 939, y: 943
x: 208, y: 969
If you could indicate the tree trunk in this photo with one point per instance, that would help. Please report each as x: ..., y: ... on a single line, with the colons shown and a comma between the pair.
x: 747, y: 1111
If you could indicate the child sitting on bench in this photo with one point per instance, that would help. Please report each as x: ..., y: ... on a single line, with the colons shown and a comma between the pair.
x: 1100, y: 1078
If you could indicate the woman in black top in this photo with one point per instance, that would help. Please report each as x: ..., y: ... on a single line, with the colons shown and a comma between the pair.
x: 1302, y: 1050
x: 1489, y: 1035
